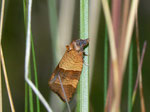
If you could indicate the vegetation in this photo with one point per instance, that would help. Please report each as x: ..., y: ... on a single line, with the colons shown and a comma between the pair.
x: 33, y: 36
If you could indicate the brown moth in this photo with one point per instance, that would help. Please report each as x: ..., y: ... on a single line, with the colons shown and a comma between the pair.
x: 69, y: 69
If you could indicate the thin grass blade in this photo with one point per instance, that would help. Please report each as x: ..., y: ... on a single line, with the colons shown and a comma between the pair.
x: 138, y: 74
x: 35, y: 74
x: 27, y: 59
x: 130, y: 79
x: 30, y: 93
x: 26, y: 97
x: 1, y: 27
x: 83, y: 90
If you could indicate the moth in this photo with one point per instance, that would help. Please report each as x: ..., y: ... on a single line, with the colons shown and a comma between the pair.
x: 69, y: 69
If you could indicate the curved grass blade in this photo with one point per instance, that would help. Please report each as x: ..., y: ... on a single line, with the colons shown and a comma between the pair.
x: 27, y: 59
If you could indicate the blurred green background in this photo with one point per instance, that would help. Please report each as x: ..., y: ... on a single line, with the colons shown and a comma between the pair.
x: 13, y: 44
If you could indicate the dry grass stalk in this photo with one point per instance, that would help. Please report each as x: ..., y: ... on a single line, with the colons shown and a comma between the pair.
x: 3, y: 65
x: 138, y: 76
x: 130, y: 25
x: 1, y: 103
x: 113, y: 55
x: 27, y: 59
x: 94, y: 16
x: 138, y: 58
x: 116, y: 16
x: 125, y: 46
x: 6, y: 80
x: 64, y: 35
x: 65, y: 25
x: 109, y: 92
x: 123, y: 28
x: 1, y: 26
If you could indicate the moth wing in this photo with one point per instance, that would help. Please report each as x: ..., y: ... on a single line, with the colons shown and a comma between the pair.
x: 69, y: 80
x: 69, y: 69
x: 72, y: 60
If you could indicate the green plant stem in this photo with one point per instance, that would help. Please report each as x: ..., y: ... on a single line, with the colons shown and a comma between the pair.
x: 130, y: 79
x: 34, y: 60
x: 35, y: 73
x: 26, y: 97
x: 30, y: 93
x: 53, y: 26
x: 83, y: 90
x: 105, y: 65
x: 26, y: 85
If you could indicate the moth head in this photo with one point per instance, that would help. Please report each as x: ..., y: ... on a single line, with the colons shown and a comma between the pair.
x: 78, y: 45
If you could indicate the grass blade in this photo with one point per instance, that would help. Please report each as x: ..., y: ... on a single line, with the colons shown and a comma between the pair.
x: 30, y: 93
x: 83, y: 90
x: 26, y: 97
x: 138, y: 75
x: 130, y: 79
x: 6, y: 80
x: 61, y: 33
x: 35, y: 74
x: 105, y: 65
x: 1, y: 27
x: 34, y: 61
x: 27, y: 59
x: 94, y: 21
x: 3, y: 65
x: 129, y: 31
x: 115, y: 105
x: 2, y: 17
x: 1, y: 103
x: 53, y: 26
x: 126, y: 8
x: 138, y: 58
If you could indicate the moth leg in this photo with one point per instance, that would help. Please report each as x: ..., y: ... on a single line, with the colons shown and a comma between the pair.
x: 83, y: 59
x: 85, y: 54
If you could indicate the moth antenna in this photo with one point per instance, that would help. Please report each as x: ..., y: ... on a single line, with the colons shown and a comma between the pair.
x: 64, y: 94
